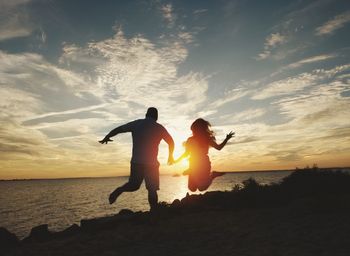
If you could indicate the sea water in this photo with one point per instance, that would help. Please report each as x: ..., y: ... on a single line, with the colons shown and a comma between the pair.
x: 63, y: 202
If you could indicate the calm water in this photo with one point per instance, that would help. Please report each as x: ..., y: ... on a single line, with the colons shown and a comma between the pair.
x: 60, y: 203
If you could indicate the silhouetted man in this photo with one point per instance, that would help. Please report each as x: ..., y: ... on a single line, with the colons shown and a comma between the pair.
x: 146, y: 136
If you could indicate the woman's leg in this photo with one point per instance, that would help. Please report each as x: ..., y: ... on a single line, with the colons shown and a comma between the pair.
x: 192, y: 185
x: 205, y: 184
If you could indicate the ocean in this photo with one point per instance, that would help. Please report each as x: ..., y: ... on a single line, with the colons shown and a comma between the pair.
x: 63, y: 202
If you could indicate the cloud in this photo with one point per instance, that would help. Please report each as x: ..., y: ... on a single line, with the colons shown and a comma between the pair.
x: 10, y: 4
x: 15, y: 20
x: 271, y: 42
x: 249, y: 114
x: 88, y: 109
x: 31, y: 73
x: 168, y: 13
x: 150, y: 70
x: 186, y: 36
x: 317, y: 128
x: 244, y: 116
x: 312, y: 59
x: 287, y: 155
x: 94, y: 88
x: 337, y: 133
x: 17, y: 103
x: 246, y: 139
x: 17, y: 25
x: 300, y: 63
x: 43, y: 36
x: 297, y: 83
x: 18, y: 142
x: 199, y: 11
x: 334, y: 24
x: 230, y: 96
x: 274, y: 39
x: 322, y: 105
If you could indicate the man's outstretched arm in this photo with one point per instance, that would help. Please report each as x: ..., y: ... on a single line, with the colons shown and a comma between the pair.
x: 169, y: 140
x: 119, y: 129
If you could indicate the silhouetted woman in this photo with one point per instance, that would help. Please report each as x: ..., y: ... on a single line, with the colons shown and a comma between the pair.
x: 196, y: 148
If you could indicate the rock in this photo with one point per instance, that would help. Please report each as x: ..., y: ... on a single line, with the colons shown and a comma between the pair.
x: 125, y: 212
x: 39, y: 233
x: 176, y: 203
x: 72, y: 230
x: 99, y: 223
x: 8, y: 240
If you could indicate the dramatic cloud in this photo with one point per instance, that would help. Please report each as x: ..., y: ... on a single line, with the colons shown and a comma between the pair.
x: 336, y: 23
x: 122, y: 73
x: 68, y: 77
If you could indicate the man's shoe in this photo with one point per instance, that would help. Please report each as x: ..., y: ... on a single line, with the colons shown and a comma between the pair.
x: 112, y: 198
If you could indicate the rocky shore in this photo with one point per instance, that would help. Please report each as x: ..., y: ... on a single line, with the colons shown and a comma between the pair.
x: 306, y: 214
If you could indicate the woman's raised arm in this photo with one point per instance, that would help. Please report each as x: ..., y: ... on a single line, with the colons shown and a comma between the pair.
x: 222, y: 144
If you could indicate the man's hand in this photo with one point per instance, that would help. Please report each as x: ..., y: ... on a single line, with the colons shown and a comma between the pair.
x: 230, y: 135
x: 170, y: 160
x: 105, y: 140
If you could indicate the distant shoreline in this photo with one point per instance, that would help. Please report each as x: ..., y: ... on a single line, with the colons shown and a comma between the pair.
x: 169, y: 174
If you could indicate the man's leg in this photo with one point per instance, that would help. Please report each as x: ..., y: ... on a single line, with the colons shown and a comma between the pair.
x: 153, y: 199
x: 151, y: 174
x: 127, y: 187
x: 134, y: 183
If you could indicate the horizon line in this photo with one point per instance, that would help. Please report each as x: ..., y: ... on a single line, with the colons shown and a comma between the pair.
x: 169, y: 174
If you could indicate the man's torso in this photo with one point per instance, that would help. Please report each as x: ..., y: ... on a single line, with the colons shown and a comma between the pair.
x: 146, y: 136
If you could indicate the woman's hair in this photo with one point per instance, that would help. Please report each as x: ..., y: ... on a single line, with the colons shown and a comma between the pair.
x: 201, y: 128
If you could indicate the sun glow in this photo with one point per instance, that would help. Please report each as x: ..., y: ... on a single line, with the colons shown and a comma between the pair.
x: 183, y: 164
x: 180, y: 137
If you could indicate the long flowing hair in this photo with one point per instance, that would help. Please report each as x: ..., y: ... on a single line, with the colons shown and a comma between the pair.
x: 202, y: 129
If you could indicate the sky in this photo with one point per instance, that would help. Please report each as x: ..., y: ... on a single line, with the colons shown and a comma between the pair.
x: 275, y: 72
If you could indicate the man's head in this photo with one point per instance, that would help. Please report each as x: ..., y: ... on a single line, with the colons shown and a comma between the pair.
x: 152, y: 112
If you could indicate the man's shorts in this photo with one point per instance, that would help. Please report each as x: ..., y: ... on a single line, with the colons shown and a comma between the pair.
x: 150, y: 173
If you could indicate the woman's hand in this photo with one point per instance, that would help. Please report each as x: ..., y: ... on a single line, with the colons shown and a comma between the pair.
x: 230, y: 135
x: 177, y: 160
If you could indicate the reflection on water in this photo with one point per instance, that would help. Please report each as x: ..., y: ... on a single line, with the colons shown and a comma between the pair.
x: 60, y: 203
